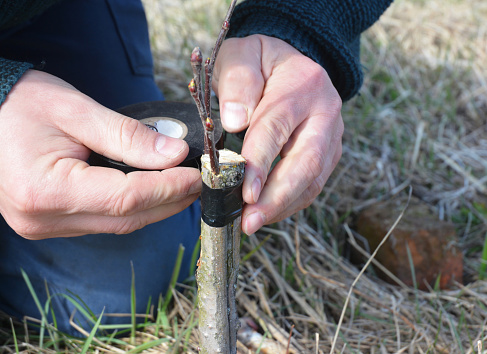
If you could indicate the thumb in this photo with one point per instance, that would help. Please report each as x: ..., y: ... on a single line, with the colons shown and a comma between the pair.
x: 238, y: 81
x: 53, y: 103
x: 127, y: 140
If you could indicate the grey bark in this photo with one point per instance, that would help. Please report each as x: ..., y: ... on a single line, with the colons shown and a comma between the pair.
x: 218, y: 265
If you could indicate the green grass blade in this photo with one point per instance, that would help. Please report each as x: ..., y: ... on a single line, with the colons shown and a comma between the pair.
x: 53, y: 315
x: 133, y: 304
x: 147, y: 310
x: 39, y: 307
x: 187, y: 335
x: 188, y: 324
x: 194, y: 258
x: 174, y: 278
x: 49, y: 309
x: 159, y: 314
x: 89, y: 340
x: 112, y: 340
x: 162, y: 319
x: 87, y: 313
x: 80, y: 300
x: 264, y: 337
x: 251, y: 253
x: 148, y: 345
x: 455, y: 333
x: 437, y: 283
x: 483, y: 261
x: 14, y: 336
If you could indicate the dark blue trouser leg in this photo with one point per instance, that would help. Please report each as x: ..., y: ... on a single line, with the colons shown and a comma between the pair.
x: 102, y: 48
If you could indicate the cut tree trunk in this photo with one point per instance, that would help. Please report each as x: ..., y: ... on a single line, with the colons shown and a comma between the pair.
x: 220, y: 253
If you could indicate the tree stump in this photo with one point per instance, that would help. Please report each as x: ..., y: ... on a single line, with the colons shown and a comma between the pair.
x: 220, y: 253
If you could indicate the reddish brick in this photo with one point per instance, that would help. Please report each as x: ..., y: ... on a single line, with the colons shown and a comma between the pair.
x: 432, y: 243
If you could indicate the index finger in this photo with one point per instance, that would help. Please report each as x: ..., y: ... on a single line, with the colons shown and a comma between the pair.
x: 290, y: 97
x: 109, y: 192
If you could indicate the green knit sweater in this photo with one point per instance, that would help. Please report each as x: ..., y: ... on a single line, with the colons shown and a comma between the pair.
x: 327, y: 31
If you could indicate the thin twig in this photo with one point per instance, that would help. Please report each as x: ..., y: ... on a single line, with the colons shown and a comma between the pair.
x: 289, y: 339
x: 196, y: 65
x: 195, y: 91
x: 210, y: 62
x: 203, y: 101
x: 195, y: 86
x: 209, y: 67
x: 208, y: 79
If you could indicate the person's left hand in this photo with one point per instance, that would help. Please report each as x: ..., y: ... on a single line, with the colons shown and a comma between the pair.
x: 291, y: 108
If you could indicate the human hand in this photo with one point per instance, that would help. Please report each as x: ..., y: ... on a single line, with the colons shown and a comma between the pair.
x: 48, y: 190
x: 291, y: 108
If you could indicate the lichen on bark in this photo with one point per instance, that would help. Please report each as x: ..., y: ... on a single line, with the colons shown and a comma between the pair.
x: 218, y: 265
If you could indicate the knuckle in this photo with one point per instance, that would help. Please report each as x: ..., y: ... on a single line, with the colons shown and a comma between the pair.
x: 314, y: 73
x: 318, y: 77
x: 126, y: 203
x: 310, y: 194
x: 315, y: 163
x: 129, y: 225
x: 279, y: 129
x: 335, y: 106
x: 314, y: 166
x: 128, y: 132
x: 317, y: 72
x: 282, y: 201
x: 314, y: 190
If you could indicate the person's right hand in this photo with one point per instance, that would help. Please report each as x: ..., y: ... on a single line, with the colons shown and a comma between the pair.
x: 48, y: 190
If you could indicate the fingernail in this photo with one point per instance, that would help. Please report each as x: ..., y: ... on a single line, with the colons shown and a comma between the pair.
x: 169, y: 147
x: 234, y: 115
x: 256, y: 189
x: 254, y: 222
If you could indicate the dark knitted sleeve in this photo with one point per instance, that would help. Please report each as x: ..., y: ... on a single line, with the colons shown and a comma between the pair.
x: 10, y: 73
x: 327, y: 31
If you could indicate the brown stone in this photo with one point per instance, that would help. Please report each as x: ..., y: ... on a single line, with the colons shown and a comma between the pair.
x: 432, y: 243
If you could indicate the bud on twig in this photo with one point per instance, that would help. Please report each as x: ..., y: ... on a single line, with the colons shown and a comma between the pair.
x: 196, y: 56
x: 203, y: 100
x: 195, y: 91
x: 209, y: 124
x: 221, y: 220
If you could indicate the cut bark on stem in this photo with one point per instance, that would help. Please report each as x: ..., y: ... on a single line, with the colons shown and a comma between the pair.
x: 220, y: 258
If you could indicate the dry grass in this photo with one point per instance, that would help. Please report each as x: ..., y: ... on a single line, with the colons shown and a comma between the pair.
x: 421, y: 121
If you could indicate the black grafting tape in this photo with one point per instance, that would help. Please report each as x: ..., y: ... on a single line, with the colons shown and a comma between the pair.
x: 176, y: 119
x: 221, y: 206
